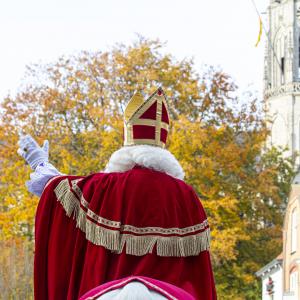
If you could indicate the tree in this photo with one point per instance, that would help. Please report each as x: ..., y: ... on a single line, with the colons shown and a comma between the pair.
x: 77, y: 104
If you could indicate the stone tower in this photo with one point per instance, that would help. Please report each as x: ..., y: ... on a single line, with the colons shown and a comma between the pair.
x: 282, y: 74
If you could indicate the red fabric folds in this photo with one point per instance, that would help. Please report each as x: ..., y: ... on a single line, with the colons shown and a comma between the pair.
x: 67, y: 264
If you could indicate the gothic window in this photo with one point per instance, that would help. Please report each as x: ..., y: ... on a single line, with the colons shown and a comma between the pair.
x: 294, y: 231
x: 297, y: 140
x: 282, y: 65
x: 299, y: 57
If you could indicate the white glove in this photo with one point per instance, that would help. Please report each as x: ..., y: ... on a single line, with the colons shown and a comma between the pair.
x: 32, y: 152
x: 39, y: 178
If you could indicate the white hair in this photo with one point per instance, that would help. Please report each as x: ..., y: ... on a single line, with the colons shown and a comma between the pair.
x: 132, y: 291
x: 150, y: 157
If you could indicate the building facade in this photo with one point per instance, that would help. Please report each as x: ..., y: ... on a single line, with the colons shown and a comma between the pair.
x: 281, y: 74
x: 280, y: 278
x: 291, y: 243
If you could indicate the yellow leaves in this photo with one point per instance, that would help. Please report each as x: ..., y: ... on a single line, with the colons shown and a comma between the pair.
x: 77, y: 105
x: 221, y: 166
x: 17, y: 207
x: 16, y: 269
x: 223, y: 245
x: 227, y: 227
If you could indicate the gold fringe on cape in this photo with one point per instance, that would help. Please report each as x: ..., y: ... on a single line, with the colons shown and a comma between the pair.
x: 115, y: 240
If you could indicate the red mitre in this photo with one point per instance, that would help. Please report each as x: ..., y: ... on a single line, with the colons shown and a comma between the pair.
x: 147, y: 122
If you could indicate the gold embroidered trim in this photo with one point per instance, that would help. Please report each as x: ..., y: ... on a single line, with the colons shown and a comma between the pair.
x: 115, y: 240
x: 166, y: 231
x: 90, y: 213
x: 133, y: 229
x: 151, y: 123
x: 158, y: 119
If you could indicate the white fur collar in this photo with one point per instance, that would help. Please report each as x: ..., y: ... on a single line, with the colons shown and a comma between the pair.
x: 146, y: 156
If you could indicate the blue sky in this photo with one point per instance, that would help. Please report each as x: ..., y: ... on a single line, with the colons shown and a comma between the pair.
x: 220, y: 33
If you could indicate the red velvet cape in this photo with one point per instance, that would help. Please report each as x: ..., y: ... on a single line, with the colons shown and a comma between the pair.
x: 107, y: 226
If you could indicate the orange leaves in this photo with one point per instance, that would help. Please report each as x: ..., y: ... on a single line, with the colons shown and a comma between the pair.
x: 77, y: 104
x: 16, y: 269
x: 241, y: 188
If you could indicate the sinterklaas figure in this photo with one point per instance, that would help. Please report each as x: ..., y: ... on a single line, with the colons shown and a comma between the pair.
x: 137, y: 220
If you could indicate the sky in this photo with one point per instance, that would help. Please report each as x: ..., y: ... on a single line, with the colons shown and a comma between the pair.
x: 216, y: 32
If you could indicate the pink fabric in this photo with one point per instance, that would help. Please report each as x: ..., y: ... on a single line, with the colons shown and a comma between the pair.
x: 165, y: 289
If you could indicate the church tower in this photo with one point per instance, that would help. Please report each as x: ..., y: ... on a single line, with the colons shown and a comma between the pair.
x: 281, y: 277
x: 282, y: 74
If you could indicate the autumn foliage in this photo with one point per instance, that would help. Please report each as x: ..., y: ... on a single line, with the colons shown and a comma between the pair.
x: 77, y: 103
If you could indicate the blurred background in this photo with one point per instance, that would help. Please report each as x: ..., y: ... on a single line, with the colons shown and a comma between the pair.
x: 67, y: 69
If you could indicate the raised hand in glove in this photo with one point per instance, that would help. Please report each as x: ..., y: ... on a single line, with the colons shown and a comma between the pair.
x: 32, y: 152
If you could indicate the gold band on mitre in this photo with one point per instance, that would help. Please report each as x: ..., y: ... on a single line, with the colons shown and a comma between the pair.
x: 146, y: 122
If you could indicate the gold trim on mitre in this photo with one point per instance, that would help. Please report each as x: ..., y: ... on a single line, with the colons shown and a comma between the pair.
x: 132, y: 116
x: 135, y: 102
